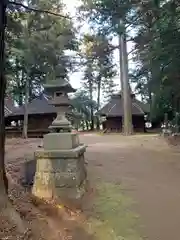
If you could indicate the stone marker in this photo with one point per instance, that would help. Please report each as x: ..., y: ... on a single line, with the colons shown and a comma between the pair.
x: 60, y: 165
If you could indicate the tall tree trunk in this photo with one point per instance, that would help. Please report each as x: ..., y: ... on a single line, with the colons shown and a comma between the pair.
x: 127, y: 105
x: 98, y: 100
x: 25, y: 123
x: 19, y: 81
x: 27, y: 83
x: 30, y: 90
x: 3, y: 178
x: 6, y: 209
x: 149, y: 93
x: 20, y: 95
x: 121, y: 74
x: 92, y: 107
x: 83, y: 125
x: 87, y: 125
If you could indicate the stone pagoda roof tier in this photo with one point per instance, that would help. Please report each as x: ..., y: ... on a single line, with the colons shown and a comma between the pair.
x: 59, y: 85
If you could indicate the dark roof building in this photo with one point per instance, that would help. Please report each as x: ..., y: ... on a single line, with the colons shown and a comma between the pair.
x: 113, y: 111
x: 40, y: 115
x: 39, y: 105
x: 114, y: 107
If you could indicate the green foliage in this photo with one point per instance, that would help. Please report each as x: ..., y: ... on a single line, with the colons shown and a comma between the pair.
x: 157, y: 57
x: 109, y: 18
x: 97, y: 52
x: 157, y: 47
x: 106, y: 14
x: 82, y: 104
x: 36, y: 47
x: 99, y: 69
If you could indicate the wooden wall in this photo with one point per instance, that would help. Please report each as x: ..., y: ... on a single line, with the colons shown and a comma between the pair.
x: 115, y: 124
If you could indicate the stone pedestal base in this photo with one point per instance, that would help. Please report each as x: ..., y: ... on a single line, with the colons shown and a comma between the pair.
x: 61, y: 141
x: 60, y: 174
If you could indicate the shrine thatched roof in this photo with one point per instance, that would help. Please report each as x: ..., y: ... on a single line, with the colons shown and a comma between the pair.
x: 38, y: 106
x: 114, y: 107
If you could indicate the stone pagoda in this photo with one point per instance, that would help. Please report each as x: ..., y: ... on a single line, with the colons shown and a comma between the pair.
x: 60, y: 165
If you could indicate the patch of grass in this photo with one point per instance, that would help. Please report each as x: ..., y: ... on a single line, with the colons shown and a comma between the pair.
x: 113, y: 218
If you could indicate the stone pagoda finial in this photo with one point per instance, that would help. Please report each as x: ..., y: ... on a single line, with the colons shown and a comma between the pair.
x: 59, y: 89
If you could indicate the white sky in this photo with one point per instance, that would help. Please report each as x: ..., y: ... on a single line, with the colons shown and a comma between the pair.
x: 76, y: 77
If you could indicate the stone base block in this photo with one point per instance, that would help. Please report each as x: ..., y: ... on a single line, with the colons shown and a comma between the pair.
x: 42, y: 192
x: 60, y: 174
x: 63, y: 141
x: 70, y: 194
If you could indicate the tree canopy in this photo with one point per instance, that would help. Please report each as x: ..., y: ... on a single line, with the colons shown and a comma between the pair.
x: 155, y: 26
x: 36, y: 46
x: 157, y: 56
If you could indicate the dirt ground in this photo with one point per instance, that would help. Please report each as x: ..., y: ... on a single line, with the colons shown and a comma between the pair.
x: 146, y: 168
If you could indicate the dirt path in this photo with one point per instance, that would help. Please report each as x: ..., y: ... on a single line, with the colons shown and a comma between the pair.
x: 149, y: 172
x: 146, y: 168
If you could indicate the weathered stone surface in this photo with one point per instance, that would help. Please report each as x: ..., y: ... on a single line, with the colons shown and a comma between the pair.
x: 59, y: 165
x: 66, y: 180
x: 44, y: 185
x: 68, y: 172
x: 65, y: 165
x: 63, y: 141
x: 83, y: 171
x: 42, y: 191
x: 62, y: 175
x: 44, y: 165
x: 81, y: 161
x: 59, y: 185
x: 70, y: 193
x: 71, y: 153
x: 60, y: 169
x: 44, y: 179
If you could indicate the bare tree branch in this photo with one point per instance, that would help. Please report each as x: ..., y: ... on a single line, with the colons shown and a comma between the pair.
x: 132, y: 51
x: 37, y: 10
